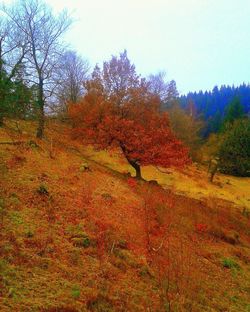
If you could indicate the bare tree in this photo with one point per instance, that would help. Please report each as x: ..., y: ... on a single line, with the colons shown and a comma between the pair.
x: 43, y: 31
x: 13, y: 47
x: 72, y: 73
x: 158, y: 85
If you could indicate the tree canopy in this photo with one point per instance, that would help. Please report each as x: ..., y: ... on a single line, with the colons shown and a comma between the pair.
x: 127, y: 116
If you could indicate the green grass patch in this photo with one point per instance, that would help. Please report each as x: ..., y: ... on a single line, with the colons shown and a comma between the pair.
x: 229, y: 263
x: 75, y: 292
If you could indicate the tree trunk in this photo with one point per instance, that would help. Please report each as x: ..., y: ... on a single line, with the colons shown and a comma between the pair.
x: 40, y: 128
x: 137, y: 169
x: 1, y: 120
x: 133, y: 163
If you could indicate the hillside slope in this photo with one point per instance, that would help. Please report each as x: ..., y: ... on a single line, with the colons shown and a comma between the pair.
x: 95, y: 240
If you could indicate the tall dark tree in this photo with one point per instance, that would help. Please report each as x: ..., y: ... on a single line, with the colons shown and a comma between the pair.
x: 13, y: 48
x: 21, y: 98
x: 5, y: 89
x: 234, y: 111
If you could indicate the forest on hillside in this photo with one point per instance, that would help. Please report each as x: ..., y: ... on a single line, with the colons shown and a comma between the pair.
x: 40, y: 78
x: 212, y: 105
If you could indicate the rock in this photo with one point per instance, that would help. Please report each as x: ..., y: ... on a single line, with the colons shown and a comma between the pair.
x: 107, y: 196
x: 42, y: 190
x: 33, y: 144
x: 153, y: 182
x: 232, y: 238
x: 84, y: 167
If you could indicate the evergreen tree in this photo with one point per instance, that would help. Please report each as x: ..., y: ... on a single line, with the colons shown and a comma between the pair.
x: 15, y: 96
x: 212, y: 105
x: 20, y: 100
x: 234, y: 151
x: 5, y: 87
x: 215, y: 123
x: 234, y: 111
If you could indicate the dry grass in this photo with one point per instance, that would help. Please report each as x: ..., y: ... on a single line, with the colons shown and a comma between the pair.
x: 74, y: 240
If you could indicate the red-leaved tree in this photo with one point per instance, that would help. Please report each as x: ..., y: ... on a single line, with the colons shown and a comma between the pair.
x: 137, y: 127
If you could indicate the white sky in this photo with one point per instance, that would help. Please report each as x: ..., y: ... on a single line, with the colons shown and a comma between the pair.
x: 199, y: 43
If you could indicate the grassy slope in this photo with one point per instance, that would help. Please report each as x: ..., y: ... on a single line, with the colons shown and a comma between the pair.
x: 192, y: 181
x: 84, y: 245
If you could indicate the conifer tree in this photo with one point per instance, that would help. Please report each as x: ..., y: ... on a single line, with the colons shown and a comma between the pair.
x: 234, y: 111
x: 234, y: 151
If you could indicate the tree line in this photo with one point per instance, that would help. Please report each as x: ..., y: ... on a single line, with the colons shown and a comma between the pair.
x: 212, y: 106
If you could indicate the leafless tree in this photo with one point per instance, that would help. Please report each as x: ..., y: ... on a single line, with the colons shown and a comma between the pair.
x: 43, y: 30
x: 158, y: 85
x: 72, y: 73
x: 13, y: 47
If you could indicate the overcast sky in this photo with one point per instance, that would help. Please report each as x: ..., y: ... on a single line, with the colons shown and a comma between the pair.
x: 199, y: 43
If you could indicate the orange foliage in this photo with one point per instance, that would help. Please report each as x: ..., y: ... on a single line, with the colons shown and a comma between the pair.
x: 138, y: 128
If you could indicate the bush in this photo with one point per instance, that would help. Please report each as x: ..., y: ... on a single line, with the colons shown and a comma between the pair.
x: 82, y: 242
x: 78, y: 237
x: 127, y: 257
x: 42, y: 190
